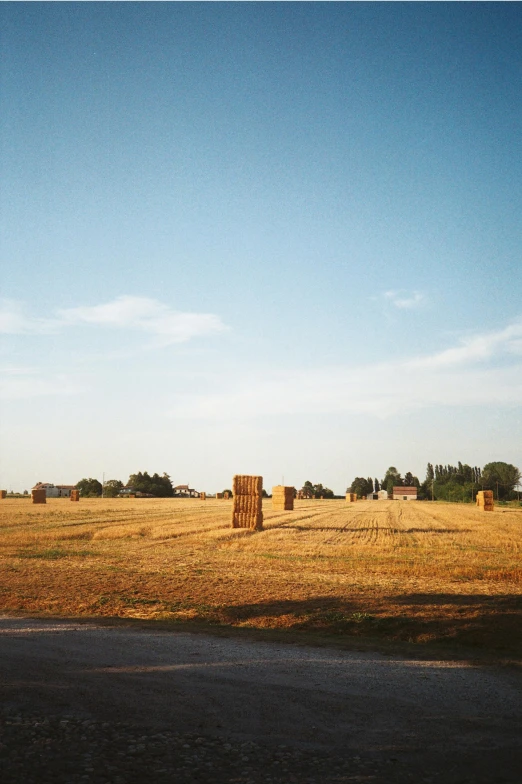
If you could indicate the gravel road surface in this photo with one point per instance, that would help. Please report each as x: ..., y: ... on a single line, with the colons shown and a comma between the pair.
x: 91, y: 703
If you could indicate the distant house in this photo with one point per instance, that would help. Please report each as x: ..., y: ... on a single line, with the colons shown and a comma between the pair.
x: 404, y: 493
x: 127, y: 490
x: 55, y: 491
x: 184, y: 491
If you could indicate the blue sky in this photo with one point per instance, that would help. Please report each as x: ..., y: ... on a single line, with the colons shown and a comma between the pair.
x: 263, y: 238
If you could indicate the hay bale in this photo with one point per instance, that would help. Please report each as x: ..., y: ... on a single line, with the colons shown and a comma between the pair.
x: 247, y: 485
x: 203, y: 496
x: 39, y: 496
x: 283, y: 498
x: 351, y: 497
x: 3, y: 494
x: 485, y: 500
x: 75, y: 495
x: 226, y: 495
x: 219, y: 495
x: 247, y: 509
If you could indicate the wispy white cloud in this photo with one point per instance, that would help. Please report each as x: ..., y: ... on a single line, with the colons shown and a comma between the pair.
x: 467, y: 378
x: 405, y: 300
x: 167, y: 326
x: 476, y: 348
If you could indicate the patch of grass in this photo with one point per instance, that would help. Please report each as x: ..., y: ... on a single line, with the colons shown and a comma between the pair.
x: 53, y: 553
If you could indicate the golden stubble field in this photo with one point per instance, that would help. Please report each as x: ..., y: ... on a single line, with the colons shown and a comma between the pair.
x: 406, y: 571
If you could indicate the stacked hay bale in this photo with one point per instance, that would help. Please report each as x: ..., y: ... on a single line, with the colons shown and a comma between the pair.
x: 75, y: 495
x: 3, y: 494
x: 283, y: 498
x: 485, y: 500
x: 203, y: 496
x: 247, y: 510
x: 219, y: 495
x: 351, y: 497
x: 299, y: 495
x: 39, y: 496
x: 226, y: 495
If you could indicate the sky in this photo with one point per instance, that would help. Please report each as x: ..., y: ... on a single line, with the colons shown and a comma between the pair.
x: 263, y: 238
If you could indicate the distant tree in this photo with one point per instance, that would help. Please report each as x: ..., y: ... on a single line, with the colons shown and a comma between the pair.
x: 159, y: 486
x: 392, y: 479
x: 322, y: 492
x: 376, y: 485
x: 361, y: 486
x: 317, y: 490
x: 430, y: 473
x: 89, y: 488
x: 500, y: 477
x: 112, y: 487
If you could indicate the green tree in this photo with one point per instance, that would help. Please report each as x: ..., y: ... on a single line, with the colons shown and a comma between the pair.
x: 317, y: 490
x: 500, y: 477
x: 159, y: 486
x: 112, y: 487
x: 322, y: 492
x: 391, y: 479
x: 89, y: 488
x: 361, y: 486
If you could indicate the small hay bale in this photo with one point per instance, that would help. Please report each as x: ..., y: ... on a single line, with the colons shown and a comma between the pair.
x: 75, y: 495
x: 39, y: 496
x: 3, y: 494
x: 219, y: 495
x: 202, y: 496
x: 485, y: 500
x: 283, y: 498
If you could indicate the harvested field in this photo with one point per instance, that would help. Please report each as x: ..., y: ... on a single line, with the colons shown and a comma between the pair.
x: 380, y: 570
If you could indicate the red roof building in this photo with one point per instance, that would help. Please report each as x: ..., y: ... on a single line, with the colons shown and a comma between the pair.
x: 404, y: 493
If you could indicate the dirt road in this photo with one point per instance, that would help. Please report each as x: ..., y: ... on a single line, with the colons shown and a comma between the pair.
x: 82, y: 702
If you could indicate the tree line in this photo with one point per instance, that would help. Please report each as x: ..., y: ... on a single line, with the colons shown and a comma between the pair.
x: 156, y: 485
x: 458, y: 483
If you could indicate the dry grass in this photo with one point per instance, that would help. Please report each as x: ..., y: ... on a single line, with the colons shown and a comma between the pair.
x: 412, y: 571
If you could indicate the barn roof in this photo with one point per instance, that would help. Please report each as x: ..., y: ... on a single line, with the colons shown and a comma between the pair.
x: 405, y: 490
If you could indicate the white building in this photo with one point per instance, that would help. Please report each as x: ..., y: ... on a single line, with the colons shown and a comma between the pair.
x: 55, y: 491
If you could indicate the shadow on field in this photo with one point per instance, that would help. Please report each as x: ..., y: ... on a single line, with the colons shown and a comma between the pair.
x: 476, y: 620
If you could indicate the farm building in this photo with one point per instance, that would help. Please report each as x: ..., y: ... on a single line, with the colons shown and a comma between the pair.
x: 55, y: 491
x: 380, y: 495
x: 184, y: 491
x: 404, y: 493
